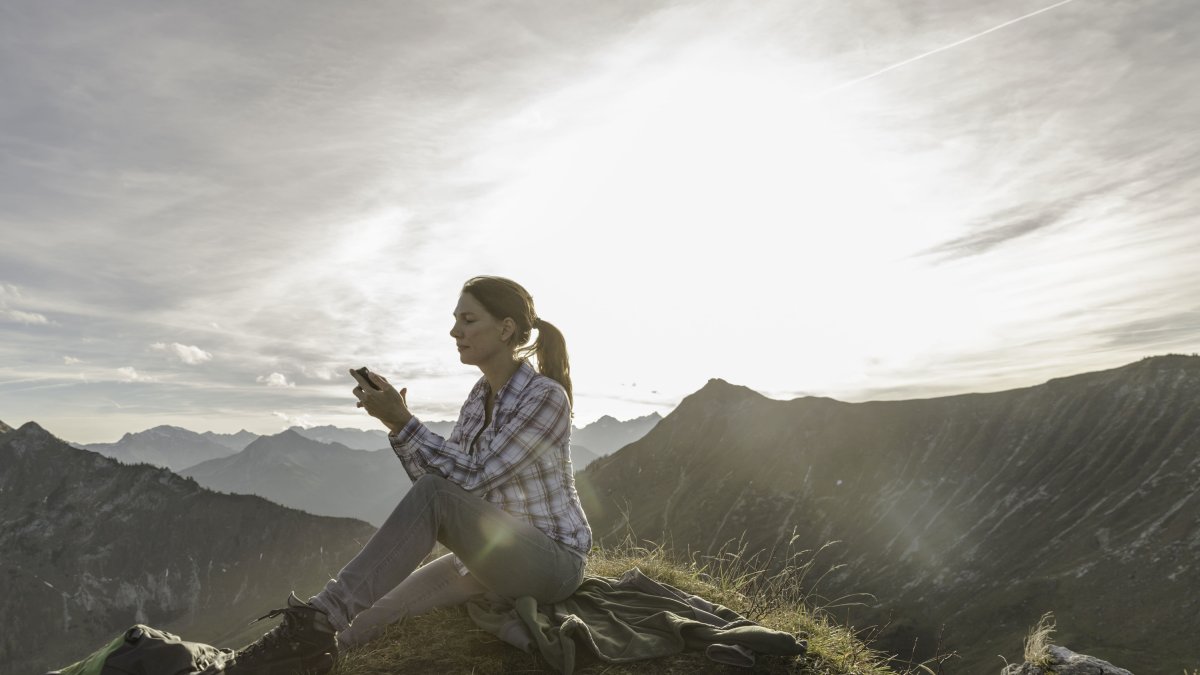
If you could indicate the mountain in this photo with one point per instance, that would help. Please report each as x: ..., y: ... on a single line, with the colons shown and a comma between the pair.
x: 91, y: 546
x: 166, y: 446
x: 357, y: 439
x: 299, y: 472
x: 608, y: 434
x: 581, y: 456
x: 235, y: 442
x: 966, y: 516
x: 4, y: 428
x: 375, y: 439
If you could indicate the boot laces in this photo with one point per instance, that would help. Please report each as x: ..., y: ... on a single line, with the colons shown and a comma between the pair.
x: 284, y: 632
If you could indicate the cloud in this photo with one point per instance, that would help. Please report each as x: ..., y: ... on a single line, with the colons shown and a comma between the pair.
x: 130, y: 374
x: 304, y: 421
x: 71, y: 360
x: 317, y: 372
x: 1159, y: 332
x: 274, y: 380
x: 10, y: 292
x: 988, y: 235
x: 18, y: 316
x: 401, y: 144
x: 189, y: 354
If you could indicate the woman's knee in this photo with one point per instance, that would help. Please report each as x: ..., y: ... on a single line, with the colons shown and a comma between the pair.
x: 430, y: 482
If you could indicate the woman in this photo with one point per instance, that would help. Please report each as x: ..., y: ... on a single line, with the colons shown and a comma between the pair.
x: 499, y: 493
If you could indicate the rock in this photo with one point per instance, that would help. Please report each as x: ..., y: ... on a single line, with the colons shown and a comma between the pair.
x: 1063, y: 661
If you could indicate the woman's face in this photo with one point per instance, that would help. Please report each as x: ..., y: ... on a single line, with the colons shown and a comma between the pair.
x: 478, y: 335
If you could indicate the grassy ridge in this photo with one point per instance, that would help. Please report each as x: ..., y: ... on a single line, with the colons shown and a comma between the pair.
x: 447, y: 641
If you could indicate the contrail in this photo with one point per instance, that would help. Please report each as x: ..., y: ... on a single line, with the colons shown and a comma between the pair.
x: 943, y: 48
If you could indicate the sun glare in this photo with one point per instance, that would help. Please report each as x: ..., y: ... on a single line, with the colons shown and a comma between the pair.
x: 710, y: 198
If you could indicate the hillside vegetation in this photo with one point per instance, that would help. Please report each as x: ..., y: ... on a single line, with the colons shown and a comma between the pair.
x: 966, y: 516
x: 447, y: 641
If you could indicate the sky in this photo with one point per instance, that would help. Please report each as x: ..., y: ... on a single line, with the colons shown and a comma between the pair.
x: 210, y: 211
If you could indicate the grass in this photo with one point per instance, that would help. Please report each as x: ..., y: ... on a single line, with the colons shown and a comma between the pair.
x: 1037, y: 643
x: 447, y: 641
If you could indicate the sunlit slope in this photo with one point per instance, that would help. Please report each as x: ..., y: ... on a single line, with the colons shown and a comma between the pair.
x: 967, y: 516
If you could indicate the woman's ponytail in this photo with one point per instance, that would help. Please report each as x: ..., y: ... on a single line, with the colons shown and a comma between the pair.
x: 551, y: 351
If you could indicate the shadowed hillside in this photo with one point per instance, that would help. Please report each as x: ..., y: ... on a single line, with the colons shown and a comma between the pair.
x: 966, y: 516
x: 91, y: 546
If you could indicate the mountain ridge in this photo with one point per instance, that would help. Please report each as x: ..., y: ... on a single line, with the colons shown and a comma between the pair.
x: 164, y: 445
x: 317, y: 477
x: 1028, y: 497
x: 92, y: 545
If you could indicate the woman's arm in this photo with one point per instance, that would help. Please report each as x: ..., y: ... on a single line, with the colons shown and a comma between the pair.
x: 542, y: 421
x: 415, y: 433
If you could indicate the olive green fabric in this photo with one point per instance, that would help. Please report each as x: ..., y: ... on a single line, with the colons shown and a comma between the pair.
x: 628, y: 619
x: 95, y: 661
x: 143, y: 649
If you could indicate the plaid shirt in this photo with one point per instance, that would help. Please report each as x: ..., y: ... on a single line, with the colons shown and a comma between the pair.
x: 520, y: 462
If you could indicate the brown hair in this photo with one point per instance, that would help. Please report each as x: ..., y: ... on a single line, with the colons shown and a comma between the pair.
x: 504, y: 298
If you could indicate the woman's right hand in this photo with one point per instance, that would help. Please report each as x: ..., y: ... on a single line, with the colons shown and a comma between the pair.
x: 385, y: 403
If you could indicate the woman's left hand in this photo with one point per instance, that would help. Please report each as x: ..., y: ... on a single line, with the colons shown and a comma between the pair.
x: 385, y: 403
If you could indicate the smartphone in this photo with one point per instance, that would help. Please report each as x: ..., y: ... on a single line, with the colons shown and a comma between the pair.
x: 362, y: 374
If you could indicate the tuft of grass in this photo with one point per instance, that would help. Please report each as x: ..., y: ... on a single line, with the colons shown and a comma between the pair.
x: 447, y: 641
x: 1037, y: 643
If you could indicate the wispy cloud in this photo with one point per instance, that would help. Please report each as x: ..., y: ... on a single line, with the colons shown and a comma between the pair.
x: 189, y: 354
x: 274, y: 380
x: 130, y: 374
x: 19, y: 316
x: 304, y: 421
x: 999, y: 228
x: 11, y: 295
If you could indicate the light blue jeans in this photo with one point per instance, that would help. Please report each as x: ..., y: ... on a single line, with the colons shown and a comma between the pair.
x: 504, y: 554
x: 432, y: 586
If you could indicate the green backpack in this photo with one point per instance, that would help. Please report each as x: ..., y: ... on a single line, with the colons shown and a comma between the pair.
x: 143, y: 650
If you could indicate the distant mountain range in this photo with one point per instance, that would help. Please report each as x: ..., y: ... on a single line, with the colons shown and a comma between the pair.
x: 329, y: 478
x: 325, y: 470
x: 325, y: 478
x: 167, y: 446
x: 374, y: 439
x: 90, y: 546
x: 967, y: 516
x: 607, y: 435
x: 178, y: 449
x: 235, y: 442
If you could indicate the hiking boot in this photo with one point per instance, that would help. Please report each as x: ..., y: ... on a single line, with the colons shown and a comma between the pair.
x: 304, y: 643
